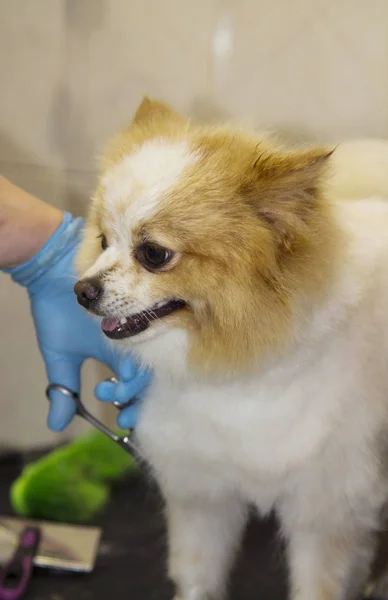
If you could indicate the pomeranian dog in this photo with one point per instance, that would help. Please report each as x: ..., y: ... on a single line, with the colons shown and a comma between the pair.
x: 260, y: 300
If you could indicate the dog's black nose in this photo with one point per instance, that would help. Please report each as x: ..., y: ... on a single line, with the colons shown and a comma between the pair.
x: 88, y: 292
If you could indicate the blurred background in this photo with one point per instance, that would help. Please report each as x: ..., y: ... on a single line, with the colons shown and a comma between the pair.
x: 73, y: 71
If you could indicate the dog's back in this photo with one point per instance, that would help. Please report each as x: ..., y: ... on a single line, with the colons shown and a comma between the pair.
x: 360, y: 172
x: 359, y: 169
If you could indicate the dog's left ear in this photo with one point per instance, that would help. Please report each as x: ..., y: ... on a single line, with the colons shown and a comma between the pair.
x: 284, y: 188
x: 151, y: 109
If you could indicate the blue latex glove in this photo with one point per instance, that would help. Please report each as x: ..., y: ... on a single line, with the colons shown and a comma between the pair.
x: 110, y: 392
x: 67, y: 335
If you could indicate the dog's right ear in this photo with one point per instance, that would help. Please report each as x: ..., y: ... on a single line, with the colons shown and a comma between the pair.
x: 154, y: 109
x: 285, y: 191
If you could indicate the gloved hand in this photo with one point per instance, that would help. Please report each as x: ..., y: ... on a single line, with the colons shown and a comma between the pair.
x: 108, y: 391
x: 67, y: 335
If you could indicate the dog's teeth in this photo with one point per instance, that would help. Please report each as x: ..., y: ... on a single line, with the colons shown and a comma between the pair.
x: 123, y: 320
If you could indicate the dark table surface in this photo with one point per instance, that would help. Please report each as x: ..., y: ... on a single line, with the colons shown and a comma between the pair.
x: 131, y: 561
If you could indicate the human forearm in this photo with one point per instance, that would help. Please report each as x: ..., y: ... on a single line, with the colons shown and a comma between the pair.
x: 38, y: 244
x: 26, y: 224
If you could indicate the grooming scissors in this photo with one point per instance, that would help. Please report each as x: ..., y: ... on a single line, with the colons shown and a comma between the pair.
x: 124, y: 442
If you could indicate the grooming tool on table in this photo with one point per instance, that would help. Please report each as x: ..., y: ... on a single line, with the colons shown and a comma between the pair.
x: 16, y: 573
x: 61, y: 547
x: 124, y: 442
x: 72, y: 483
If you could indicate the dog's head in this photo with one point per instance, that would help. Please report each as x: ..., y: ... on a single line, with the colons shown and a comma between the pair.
x: 206, y: 230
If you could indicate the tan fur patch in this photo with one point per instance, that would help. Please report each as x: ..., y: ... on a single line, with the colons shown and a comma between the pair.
x: 254, y: 233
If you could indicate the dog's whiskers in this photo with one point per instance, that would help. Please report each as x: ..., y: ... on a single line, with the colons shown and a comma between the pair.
x: 149, y: 312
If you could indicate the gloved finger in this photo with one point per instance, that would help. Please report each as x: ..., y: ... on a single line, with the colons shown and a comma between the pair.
x: 128, y: 369
x: 122, y: 392
x: 128, y: 417
x: 62, y: 407
x: 105, y: 391
x: 127, y: 390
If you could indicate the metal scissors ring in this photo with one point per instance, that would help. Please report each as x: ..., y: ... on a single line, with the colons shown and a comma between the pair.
x: 124, y: 442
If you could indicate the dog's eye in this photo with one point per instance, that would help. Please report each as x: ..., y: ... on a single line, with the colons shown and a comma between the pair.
x: 104, y: 243
x: 152, y: 256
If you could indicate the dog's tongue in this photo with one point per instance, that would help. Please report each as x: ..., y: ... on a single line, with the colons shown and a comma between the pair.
x: 110, y: 323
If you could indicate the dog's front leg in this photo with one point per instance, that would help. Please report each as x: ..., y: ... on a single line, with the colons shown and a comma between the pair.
x: 329, y: 565
x: 203, y: 536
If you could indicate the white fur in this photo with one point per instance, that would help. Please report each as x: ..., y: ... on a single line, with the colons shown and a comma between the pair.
x: 145, y: 175
x: 299, y: 436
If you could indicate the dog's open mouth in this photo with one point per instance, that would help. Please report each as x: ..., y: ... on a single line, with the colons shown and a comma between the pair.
x: 118, y: 329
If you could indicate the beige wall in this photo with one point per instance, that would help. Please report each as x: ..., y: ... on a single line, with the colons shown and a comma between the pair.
x: 71, y: 71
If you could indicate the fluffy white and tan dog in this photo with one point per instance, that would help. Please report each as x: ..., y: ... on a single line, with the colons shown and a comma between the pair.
x: 259, y: 296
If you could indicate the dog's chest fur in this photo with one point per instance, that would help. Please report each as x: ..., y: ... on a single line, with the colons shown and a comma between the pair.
x: 304, y: 427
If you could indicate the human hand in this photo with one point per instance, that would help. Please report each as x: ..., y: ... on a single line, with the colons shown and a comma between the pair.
x: 67, y: 335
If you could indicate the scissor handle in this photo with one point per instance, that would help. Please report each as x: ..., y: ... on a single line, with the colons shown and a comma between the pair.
x: 125, y: 442
x: 120, y: 405
x: 74, y: 396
